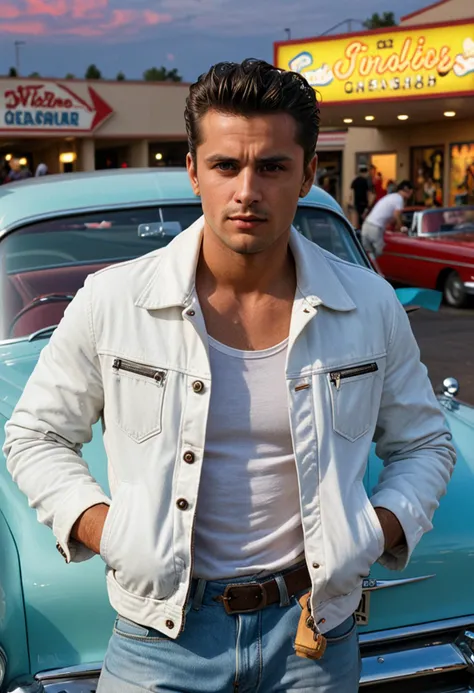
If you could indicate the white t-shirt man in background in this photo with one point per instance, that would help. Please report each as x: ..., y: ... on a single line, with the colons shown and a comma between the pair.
x: 387, y: 208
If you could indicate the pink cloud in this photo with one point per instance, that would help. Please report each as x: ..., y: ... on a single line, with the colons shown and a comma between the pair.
x: 54, y: 8
x: 89, y: 8
x: 86, y: 18
x: 155, y: 18
x: 33, y: 28
x: 8, y: 11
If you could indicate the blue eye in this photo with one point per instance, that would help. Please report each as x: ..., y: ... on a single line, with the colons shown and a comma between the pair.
x: 225, y: 166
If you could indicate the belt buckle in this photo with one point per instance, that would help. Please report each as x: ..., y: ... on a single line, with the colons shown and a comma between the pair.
x: 260, y: 596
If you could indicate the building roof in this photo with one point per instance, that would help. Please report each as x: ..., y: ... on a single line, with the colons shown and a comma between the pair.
x: 35, y: 198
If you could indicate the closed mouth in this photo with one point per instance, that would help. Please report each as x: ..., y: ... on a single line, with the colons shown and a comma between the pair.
x: 242, y: 218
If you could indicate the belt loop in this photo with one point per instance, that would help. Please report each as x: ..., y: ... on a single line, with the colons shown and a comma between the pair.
x: 199, y: 594
x: 282, y: 588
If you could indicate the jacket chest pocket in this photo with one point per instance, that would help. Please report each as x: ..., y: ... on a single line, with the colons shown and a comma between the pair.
x: 352, y: 391
x: 137, y: 398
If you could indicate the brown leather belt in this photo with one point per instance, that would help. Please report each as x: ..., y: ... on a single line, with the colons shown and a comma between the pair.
x: 247, y: 597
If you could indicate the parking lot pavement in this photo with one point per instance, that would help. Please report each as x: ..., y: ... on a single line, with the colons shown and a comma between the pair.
x: 446, y: 341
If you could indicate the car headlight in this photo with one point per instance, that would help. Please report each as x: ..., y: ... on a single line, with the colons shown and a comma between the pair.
x: 3, y: 666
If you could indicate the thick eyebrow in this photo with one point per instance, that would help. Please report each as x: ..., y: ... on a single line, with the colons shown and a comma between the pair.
x: 222, y: 158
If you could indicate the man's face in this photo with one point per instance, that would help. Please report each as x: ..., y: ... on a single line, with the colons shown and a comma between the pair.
x: 406, y: 193
x: 249, y: 173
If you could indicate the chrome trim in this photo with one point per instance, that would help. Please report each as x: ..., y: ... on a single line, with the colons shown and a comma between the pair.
x: 410, y: 664
x: 71, y: 686
x: 371, y: 585
x: 450, y: 387
x: 81, y: 670
x: 23, y: 687
x: 469, y: 287
x: 465, y: 644
x: 449, y: 263
x: 415, y: 631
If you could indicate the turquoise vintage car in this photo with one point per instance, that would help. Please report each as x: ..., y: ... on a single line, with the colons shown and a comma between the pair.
x: 55, y: 620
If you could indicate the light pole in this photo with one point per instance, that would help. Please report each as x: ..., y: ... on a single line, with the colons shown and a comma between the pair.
x: 288, y: 34
x: 17, y: 55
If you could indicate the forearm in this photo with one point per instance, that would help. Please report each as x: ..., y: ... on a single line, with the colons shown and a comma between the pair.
x: 392, y: 529
x: 87, y: 530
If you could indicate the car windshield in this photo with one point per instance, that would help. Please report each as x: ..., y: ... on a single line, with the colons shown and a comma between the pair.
x: 45, y: 263
x: 445, y: 221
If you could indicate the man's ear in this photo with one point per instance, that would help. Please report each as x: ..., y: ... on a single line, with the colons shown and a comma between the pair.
x: 192, y: 173
x: 309, y: 175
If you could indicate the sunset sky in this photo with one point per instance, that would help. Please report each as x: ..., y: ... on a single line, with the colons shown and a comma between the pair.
x: 131, y: 35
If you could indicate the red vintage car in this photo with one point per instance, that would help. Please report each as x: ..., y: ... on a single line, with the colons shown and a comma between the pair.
x: 437, y: 252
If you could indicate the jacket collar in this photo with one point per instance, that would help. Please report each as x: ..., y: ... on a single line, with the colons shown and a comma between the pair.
x: 173, y: 279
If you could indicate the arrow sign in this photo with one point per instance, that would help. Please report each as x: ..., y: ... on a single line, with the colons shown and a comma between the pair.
x: 50, y: 107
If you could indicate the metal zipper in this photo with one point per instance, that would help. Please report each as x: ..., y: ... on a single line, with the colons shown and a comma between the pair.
x: 336, y: 376
x: 140, y: 369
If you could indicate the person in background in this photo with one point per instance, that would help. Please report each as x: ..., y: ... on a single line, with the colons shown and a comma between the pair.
x: 361, y: 192
x: 391, y: 187
x: 41, y: 170
x: 18, y: 171
x: 388, y: 208
x: 379, y: 189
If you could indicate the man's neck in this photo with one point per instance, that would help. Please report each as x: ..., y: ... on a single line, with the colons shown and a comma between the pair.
x: 269, y: 272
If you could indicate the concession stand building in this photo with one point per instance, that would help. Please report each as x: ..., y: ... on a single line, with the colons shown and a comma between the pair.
x: 85, y: 125
x: 400, y: 99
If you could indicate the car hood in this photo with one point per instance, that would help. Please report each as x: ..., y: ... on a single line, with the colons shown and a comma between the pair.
x: 68, y: 616
x: 444, y: 556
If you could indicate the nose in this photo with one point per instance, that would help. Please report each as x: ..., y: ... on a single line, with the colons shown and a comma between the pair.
x: 248, y: 190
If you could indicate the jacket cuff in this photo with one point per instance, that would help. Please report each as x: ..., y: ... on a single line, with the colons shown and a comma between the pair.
x: 65, y: 517
x: 414, y: 525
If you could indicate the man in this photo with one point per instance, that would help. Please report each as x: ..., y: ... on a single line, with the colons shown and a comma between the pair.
x: 361, y: 190
x: 241, y: 374
x: 388, y: 208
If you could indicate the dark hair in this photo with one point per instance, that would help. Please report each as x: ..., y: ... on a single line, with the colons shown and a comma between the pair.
x: 405, y: 185
x: 363, y: 169
x: 251, y: 88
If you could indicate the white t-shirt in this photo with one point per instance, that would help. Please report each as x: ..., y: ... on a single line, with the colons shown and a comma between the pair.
x: 248, y: 516
x: 385, y: 209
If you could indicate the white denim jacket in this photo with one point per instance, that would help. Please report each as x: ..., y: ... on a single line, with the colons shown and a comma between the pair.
x: 132, y: 349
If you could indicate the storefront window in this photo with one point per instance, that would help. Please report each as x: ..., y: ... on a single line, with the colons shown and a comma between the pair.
x: 427, y: 166
x: 461, y: 183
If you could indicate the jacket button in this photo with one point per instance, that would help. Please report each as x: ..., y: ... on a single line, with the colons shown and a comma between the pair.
x: 182, y: 504
x: 188, y: 457
x: 316, y: 565
x: 169, y: 624
x: 191, y: 313
x: 198, y: 386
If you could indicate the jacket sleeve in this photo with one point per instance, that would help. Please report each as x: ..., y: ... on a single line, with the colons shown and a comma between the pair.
x: 412, y: 439
x: 52, y: 420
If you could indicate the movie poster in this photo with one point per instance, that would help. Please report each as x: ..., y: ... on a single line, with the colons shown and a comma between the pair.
x: 461, y: 183
x: 427, y: 168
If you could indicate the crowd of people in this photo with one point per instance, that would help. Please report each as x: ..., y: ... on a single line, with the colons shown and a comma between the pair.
x: 15, y: 170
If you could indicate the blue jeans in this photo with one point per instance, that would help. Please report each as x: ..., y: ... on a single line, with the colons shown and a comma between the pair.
x: 221, y: 653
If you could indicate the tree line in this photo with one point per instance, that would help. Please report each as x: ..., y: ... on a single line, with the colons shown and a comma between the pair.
x: 153, y: 74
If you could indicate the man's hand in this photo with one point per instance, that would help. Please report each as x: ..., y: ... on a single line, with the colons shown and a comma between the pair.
x: 88, y: 528
x: 392, y: 529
